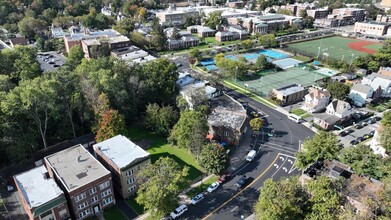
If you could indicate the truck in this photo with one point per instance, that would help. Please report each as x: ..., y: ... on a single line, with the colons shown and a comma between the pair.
x: 250, y: 156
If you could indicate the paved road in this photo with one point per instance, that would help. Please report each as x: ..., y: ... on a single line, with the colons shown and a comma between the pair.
x: 275, y: 160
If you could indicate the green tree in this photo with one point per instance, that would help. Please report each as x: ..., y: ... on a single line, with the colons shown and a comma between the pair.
x: 256, y: 124
x: 160, y: 184
x: 125, y: 26
x: 262, y: 63
x: 385, y: 138
x: 160, y: 119
x: 247, y: 44
x: 158, y: 36
x: 195, y: 54
x: 323, y: 145
x: 181, y: 134
x: 386, y: 120
x: 75, y: 56
x: 214, y: 20
x: 214, y: 158
x: 284, y: 199
x: 29, y: 27
x: 338, y: 90
x: 324, y: 198
x: 363, y: 161
x: 5, y: 83
x: 198, y: 138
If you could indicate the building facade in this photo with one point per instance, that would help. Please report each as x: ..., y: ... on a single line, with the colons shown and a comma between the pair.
x: 371, y: 28
x: 316, y: 100
x: 290, y: 94
x: 41, y: 198
x: 124, y: 159
x: 87, y: 184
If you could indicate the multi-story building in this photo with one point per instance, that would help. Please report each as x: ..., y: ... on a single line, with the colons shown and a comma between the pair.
x: 357, y: 13
x: 124, y: 159
x: 175, y: 17
x: 318, y: 13
x: 132, y: 54
x: 227, y: 120
x: 372, y: 28
x: 201, y: 31
x: 41, y: 197
x: 87, y: 184
x: 297, y: 8
x: 316, y: 100
x: 383, y: 18
x: 112, y: 43
x: 222, y: 36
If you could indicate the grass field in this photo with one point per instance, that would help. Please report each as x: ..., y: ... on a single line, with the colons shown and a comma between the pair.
x: 114, y: 213
x: 263, y: 85
x: 335, y: 47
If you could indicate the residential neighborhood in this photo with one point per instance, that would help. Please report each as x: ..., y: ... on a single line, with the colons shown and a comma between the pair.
x: 264, y: 109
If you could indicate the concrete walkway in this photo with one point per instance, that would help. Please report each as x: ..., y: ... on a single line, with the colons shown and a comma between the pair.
x: 125, y: 208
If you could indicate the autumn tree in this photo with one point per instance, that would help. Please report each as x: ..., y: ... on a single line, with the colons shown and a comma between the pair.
x: 256, y: 124
x: 214, y: 158
x: 111, y: 123
x: 160, y: 184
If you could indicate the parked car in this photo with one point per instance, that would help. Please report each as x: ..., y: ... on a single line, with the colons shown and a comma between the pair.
x: 240, y: 183
x: 359, y: 125
x: 10, y: 187
x: 360, y: 139
x: 369, y: 135
x: 371, y: 121
x: 354, y: 142
x: 178, y: 211
x: 213, y: 187
x: 343, y: 133
x: 377, y: 118
x: 197, y: 199
x: 223, y: 178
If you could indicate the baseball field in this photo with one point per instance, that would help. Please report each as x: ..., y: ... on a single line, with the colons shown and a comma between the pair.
x: 338, y: 48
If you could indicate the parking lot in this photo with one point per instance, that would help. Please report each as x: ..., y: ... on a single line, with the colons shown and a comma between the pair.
x: 50, y: 60
x: 356, y: 131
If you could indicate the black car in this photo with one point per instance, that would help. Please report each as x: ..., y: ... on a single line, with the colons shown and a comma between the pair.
x: 354, y: 142
x: 369, y: 135
x: 240, y: 183
x: 360, y: 139
x: 377, y: 118
x: 343, y: 133
x: 359, y: 126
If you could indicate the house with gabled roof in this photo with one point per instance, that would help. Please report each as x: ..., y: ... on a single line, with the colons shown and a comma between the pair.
x: 360, y: 94
x: 40, y: 195
x: 124, y: 159
x: 336, y: 112
x: 380, y: 83
x: 316, y: 100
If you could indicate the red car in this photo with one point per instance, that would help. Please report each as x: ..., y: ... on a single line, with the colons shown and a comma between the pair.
x: 223, y: 178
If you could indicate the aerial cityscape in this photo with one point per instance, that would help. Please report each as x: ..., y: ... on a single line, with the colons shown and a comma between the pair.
x: 195, y: 109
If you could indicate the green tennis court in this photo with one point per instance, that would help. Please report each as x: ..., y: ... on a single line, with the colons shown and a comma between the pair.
x: 295, y: 75
x: 338, y: 48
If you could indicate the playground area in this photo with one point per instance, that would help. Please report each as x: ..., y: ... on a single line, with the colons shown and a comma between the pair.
x: 337, y: 48
x: 263, y: 85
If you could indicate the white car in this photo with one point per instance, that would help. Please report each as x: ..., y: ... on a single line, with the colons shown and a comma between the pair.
x: 196, y: 199
x: 178, y: 211
x: 213, y: 187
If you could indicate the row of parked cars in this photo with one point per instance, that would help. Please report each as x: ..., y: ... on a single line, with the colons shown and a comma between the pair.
x: 362, y: 138
x: 199, y: 197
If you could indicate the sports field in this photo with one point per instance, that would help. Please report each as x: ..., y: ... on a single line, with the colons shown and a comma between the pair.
x: 295, y: 75
x: 338, y: 48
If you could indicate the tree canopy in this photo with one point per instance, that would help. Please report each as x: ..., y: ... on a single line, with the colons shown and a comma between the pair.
x: 338, y: 90
x: 214, y: 158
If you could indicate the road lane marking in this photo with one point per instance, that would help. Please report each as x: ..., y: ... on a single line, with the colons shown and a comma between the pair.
x: 212, y: 200
x: 280, y: 149
x: 233, y: 197
x: 288, y: 156
x: 279, y: 168
x: 234, y: 208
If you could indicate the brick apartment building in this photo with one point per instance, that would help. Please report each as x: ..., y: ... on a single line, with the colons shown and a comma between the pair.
x: 124, y: 159
x: 41, y: 198
x: 87, y: 184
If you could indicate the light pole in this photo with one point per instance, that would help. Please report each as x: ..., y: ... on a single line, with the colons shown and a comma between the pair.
x: 351, y: 61
x: 236, y: 73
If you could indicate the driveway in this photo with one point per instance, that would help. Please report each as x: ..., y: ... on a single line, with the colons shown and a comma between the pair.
x: 12, y: 206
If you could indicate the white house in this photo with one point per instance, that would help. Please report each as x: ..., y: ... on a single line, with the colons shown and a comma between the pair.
x: 316, y: 100
x: 340, y: 109
x: 380, y: 83
x: 57, y: 32
x: 360, y: 93
x: 198, y: 89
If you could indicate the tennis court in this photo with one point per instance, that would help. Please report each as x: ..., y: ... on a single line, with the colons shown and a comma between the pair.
x: 211, y: 67
x: 286, y: 63
x: 273, y: 54
x: 338, y: 48
x: 295, y: 75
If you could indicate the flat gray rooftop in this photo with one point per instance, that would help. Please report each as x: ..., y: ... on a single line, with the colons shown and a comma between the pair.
x: 76, y: 167
x: 227, y: 112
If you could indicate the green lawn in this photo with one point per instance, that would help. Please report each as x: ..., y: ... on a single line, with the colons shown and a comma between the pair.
x: 158, y: 147
x: 139, y: 209
x: 202, y: 188
x: 298, y: 111
x: 114, y: 213
x: 211, y: 40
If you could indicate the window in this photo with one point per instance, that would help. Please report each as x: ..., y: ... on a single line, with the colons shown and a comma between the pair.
x: 80, y: 197
x: 92, y: 190
x: 106, y: 193
x: 132, y: 188
x: 82, y: 205
x: 47, y: 214
x: 130, y: 181
x: 94, y: 199
x: 129, y: 172
x: 104, y: 185
x: 225, y: 133
x: 107, y: 201
x: 84, y: 213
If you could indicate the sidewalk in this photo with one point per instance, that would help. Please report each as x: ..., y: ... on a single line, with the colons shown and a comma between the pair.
x: 238, y: 155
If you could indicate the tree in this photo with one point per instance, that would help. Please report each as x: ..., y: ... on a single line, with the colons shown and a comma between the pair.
x: 29, y: 26
x: 247, y: 44
x: 195, y: 54
x: 284, y: 199
x: 338, y: 90
x: 256, y: 124
x: 160, y: 184
x: 25, y: 65
x: 75, y: 56
x: 111, y: 123
x: 363, y: 161
x: 214, y: 158
x: 214, y: 20
x: 285, y: 11
x: 158, y: 36
x: 386, y: 120
x: 198, y: 138
x: 125, y: 26
x: 323, y: 145
x: 324, y: 198
x: 181, y: 134
x: 385, y: 138
x: 160, y: 119
x: 262, y: 63
x: 250, y: 26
